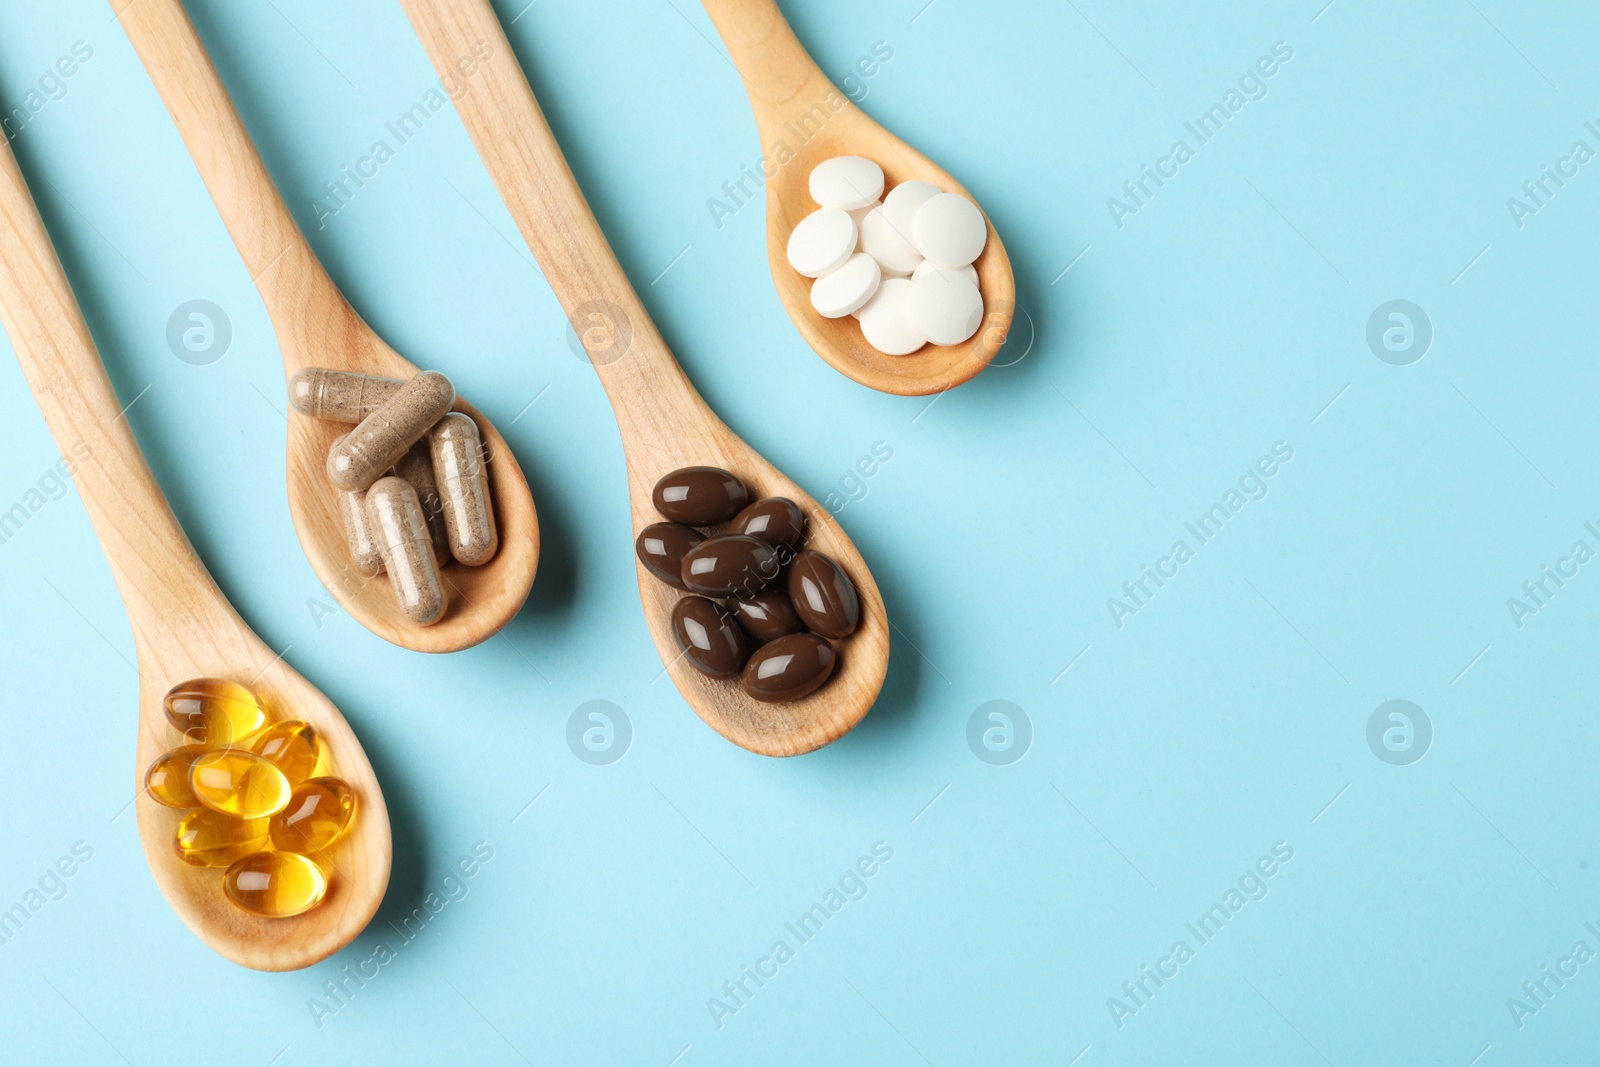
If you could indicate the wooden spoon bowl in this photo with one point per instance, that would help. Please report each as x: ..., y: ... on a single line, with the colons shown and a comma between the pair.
x: 183, y: 627
x: 317, y: 327
x: 481, y: 599
x: 803, y: 120
x: 664, y: 423
x: 769, y: 729
x: 357, y: 865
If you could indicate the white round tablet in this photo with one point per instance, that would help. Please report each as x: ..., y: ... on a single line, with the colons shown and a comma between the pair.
x: 903, y: 201
x: 969, y: 272
x: 847, y: 289
x: 949, y: 230
x: 822, y: 242
x: 846, y: 182
x: 860, y: 216
x: 892, y: 248
x: 945, y: 307
x: 886, y: 319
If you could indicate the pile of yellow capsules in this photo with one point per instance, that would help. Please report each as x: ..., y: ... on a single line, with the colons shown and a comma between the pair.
x: 261, y: 806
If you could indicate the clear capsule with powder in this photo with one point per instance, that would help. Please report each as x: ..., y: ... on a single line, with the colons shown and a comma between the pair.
x: 402, y: 535
x: 377, y: 444
x: 358, y: 539
x: 416, y: 467
x: 458, y: 463
x: 340, y: 396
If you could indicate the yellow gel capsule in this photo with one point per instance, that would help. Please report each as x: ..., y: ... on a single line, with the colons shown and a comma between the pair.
x: 292, y: 746
x: 238, y: 783
x: 209, y: 839
x: 275, y: 884
x: 167, y: 780
x: 214, y: 712
x: 317, y: 814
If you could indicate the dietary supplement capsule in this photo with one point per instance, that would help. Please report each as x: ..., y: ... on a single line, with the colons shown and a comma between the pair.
x: 292, y: 746
x: 402, y: 535
x: 823, y: 596
x: 340, y: 396
x: 357, y: 527
x: 381, y: 438
x: 709, y: 637
x: 766, y: 616
x: 238, y: 783
x: 317, y: 814
x: 167, y: 780
x: 213, y: 711
x: 275, y: 884
x: 730, y: 565
x: 416, y: 467
x: 661, y: 547
x: 358, y: 533
x: 457, y: 451
x: 209, y: 838
x: 776, y: 520
x: 700, y: 496
x: 789, y: 668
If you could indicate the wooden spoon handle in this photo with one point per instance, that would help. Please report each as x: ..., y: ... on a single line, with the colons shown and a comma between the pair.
x: 778, y: 73
x: 648, y: 390
x: 162, y: 581
x: 293, y: 284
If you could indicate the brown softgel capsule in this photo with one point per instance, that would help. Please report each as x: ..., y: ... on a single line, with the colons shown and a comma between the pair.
x: 700, y: 496
x: 730, y: 565
x: 789, y: 668
x: 823, y: 595
x: 661, y: 547
x: 709, y: 637
x: 776, y: 520
x: 766, y: 616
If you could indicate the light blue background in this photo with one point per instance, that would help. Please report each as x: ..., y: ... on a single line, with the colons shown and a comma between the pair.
x: 1228, y: 714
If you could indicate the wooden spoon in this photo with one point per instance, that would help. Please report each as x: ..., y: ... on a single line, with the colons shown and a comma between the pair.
x: 183, y: 627
x: 317, y: 327
x: 803, y: 119
x: 664, y: 422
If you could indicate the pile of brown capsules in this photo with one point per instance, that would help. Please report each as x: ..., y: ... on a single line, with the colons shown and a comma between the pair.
x: 412, y: 481
x: 759, y: 606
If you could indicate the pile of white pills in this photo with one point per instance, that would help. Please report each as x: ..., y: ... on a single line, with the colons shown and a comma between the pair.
x: 901, y: 263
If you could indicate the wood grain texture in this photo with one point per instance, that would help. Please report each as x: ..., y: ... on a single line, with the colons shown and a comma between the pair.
x: 802, y: 120
x: 182, y: 625
x: 664, y: 422
x: 317, y: 327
